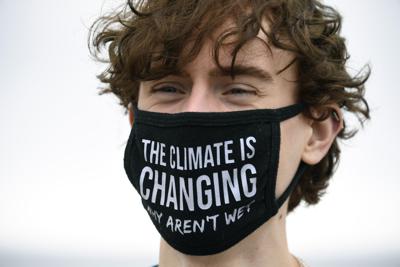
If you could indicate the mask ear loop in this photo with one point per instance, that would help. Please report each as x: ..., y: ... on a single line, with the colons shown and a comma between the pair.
x: 286, y: 114
x: 290, y: 111
x: 299, y: 173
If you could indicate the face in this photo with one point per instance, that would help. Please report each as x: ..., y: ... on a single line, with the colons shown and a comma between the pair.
x: 201, y: 87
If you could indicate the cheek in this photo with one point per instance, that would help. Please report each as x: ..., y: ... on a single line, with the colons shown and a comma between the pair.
x: 140, y: 97
x: 145, y: 101
x: 293, y: 140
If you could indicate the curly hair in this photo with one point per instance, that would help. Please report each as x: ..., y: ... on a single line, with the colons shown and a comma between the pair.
x: 145, y: 40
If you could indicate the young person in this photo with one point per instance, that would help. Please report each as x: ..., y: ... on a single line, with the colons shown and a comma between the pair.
x: 236, y: 109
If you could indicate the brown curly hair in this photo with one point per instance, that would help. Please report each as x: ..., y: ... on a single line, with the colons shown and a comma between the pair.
x: 145, y: 39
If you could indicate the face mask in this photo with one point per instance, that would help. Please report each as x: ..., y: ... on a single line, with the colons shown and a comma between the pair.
x: 207, y: 180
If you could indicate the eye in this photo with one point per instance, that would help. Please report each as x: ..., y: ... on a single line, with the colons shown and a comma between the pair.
x: 239, y: 91
x: 167, y: 89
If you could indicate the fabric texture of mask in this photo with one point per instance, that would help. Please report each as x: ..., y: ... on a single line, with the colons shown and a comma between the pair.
x: 207, y: 179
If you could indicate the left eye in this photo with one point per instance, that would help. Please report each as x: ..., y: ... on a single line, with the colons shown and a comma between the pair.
x: 239, y: 91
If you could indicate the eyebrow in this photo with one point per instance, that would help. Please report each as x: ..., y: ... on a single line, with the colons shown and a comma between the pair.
x: 238, y: 70
x: 242, y: 70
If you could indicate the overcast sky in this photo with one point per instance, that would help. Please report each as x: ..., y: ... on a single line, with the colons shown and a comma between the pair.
x: 63, y: 190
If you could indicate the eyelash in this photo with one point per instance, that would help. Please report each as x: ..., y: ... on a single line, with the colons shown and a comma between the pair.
x: 239, y: 91
x: 162, y: 89
x: 231, y: 91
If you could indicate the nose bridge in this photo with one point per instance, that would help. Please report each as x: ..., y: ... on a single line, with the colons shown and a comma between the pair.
x: 201, y: 98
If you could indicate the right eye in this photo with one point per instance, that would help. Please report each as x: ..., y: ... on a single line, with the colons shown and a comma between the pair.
x: 167, y: 89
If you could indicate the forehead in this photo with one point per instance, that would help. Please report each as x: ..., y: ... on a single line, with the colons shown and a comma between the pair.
x: 227, y: 47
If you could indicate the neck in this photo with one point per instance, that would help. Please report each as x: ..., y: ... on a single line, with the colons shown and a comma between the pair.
x: 265, y: 247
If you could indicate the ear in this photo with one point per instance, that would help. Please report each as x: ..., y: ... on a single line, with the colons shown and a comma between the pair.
x: 131, y: 115
x: 323, y: 134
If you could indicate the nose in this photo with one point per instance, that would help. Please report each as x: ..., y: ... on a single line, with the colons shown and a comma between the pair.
x: 201, y: 98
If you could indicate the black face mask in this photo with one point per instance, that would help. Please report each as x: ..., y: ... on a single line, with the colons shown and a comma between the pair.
x: 207, y: 180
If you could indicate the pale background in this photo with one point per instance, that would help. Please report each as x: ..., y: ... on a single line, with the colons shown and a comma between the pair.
x: 65, y: 199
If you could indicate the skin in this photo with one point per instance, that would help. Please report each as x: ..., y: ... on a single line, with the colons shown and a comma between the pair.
x: 196, y: 90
